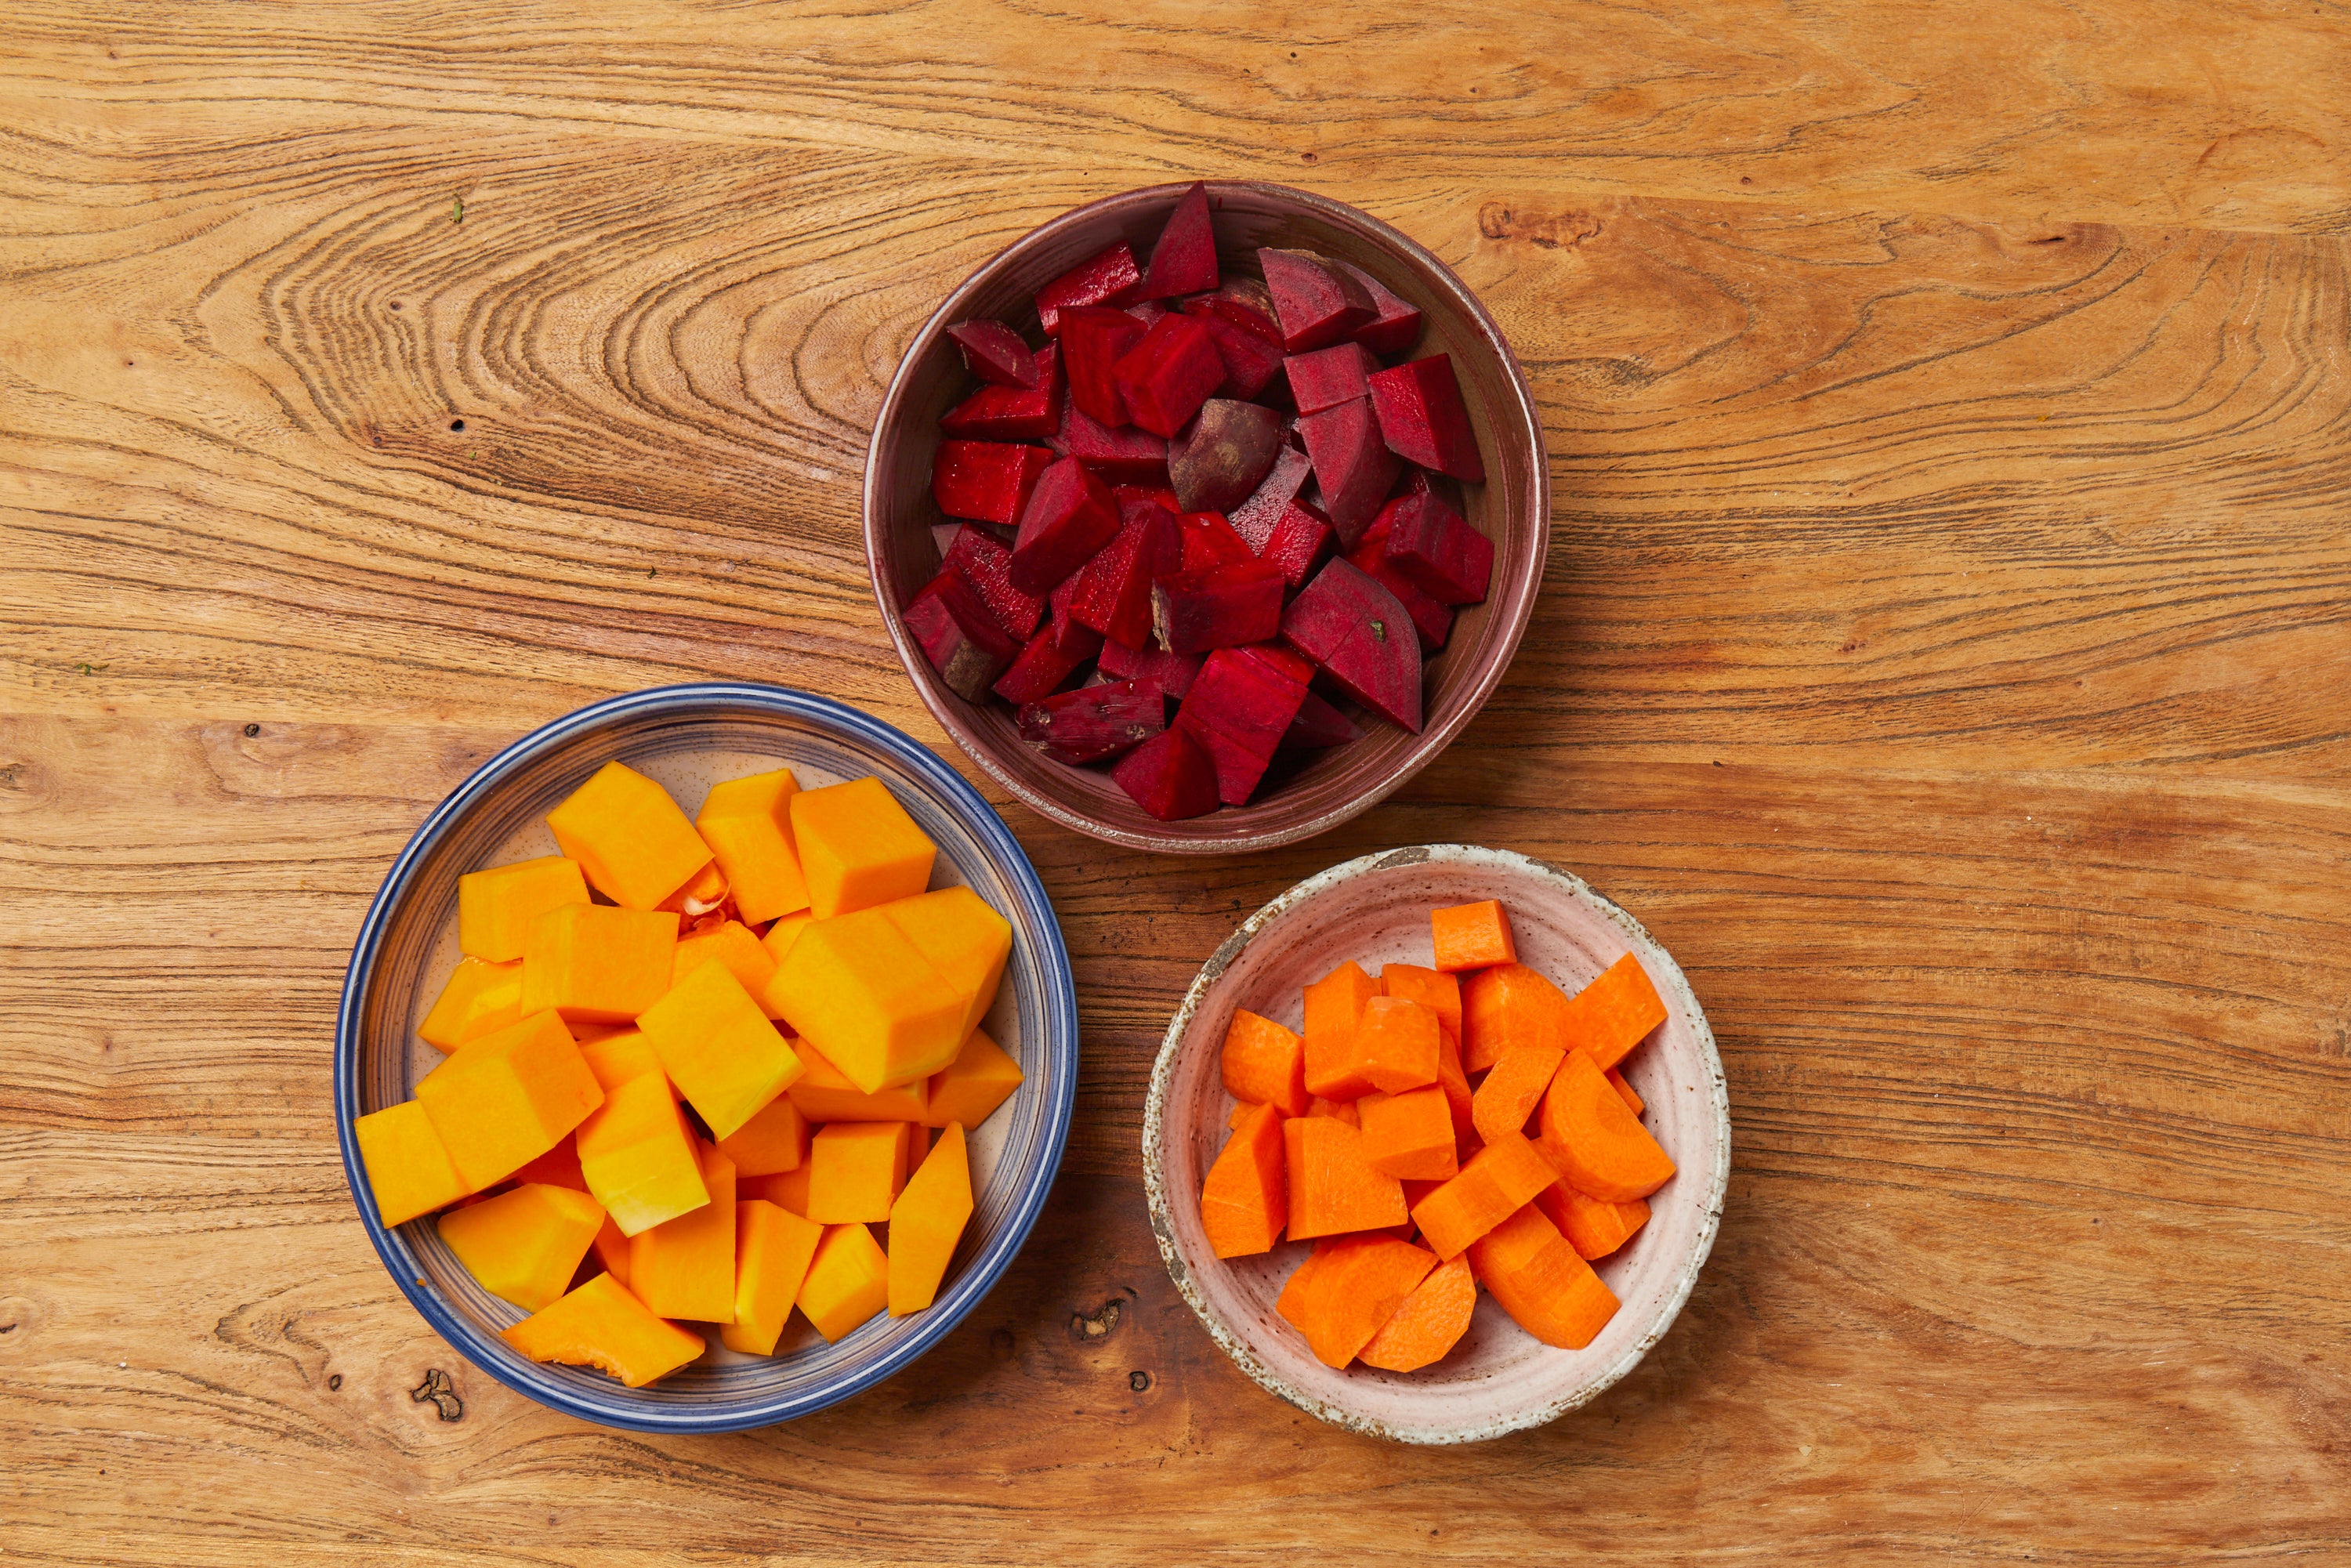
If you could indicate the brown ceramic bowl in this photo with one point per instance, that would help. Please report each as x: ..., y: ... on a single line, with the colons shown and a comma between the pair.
x: 1513, y: 508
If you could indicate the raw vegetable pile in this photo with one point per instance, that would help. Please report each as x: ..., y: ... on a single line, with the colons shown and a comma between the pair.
x: 1234, y: 504
x: 1369, y: 1137
x: 619, y: 1107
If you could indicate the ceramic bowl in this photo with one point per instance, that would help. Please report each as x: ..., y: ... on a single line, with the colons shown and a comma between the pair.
x: 689, y: 737
x: 1375, y: 911
x: 1513, y: 508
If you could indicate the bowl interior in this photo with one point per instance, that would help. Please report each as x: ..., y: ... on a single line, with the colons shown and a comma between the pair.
x: 689, y: 738
x: 1511, y: 508
x: 1375, y: 911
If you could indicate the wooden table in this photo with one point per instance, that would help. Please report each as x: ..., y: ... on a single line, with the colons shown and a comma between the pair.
x: 1944, y: 651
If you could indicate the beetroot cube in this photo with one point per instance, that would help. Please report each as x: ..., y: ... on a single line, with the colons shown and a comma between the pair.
x: 1068, y: 636
x: 1421, y: 417
x: 1432, y: 622
x: 1420, y: 481
x: 1320, y: 727
x: 1070, y: 516
x: 987, y: 481
x: 1209, y: 540
x: 1244, y: 302
x: 986, y: 565
x: 1113, y: 595
x: 1254, y: 520
x: 1298, y: 542
x: 1435, y: 546
x: 1172, y: 672
x: 1169, y: 373
x: 1239, y: 710
x: 1353, y: 627
x: 1108, y: 278
x: 1185, y: 259
x: 1126, y: 455
x: 1092, y: 341
x: 1316, y: 303
x: 1223, y: 455
x: 1039, y: 670
x: 1147, y: 311
x: 1012, y: 413
x: 995, y: 353
x: 1193, y: 611
x: 1396, y: 327
x: 1329, y: 376
x: 1250, y: 361
x: 1280, y: 656
x: 1169, y: 775
x: 1352, y: 466
x: 1093, y: 722
x: 959, y: 636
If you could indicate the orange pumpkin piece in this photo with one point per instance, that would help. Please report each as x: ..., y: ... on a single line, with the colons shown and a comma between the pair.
x: 858, y: 847
x: 1395, y: 1045
x: 496, y: 907
x: 968, y: 1090
x: 1601, y: 1148
x: 773, y: 1249
x: 623, y: 1054
x: 786, y: 1189
x: 855, y: 1172
x: 774, y: 1139
x: 1614, y: 1013
x: 1340, y: 1110
x: 1264, y: 1064
x: 748, y: 823
x: 1506, y: 1006
x: 639, y: 1159
x: 596, y: 964
x: 1332, y: 1188
x: 1624, y: 1092
x: 1334, y: 1004
x: 611, y: 1249
x: 409, y: 1172
x: 1430, y: 1322
x: 1497, y: 1179
x: 1245, y: 1201
x: 685, y: 1268
x: 824, y: 1093
x: 926, y: 1220
x: 784, y: 933
x: 731, y: 944
x: 1439, y: 992
x: 918, y: 1145
x: 1512, y: 1091
x: 719, y: 1048
x: 857, y: 989
x: 560, y: 1166
x: 705, y: 891
x: 601, y: 1325
x: 524, y: 1245
x: 502, y: 1101
x: 1348, y: 1290
x: 628, y: 836
x: 847, y: 1281
x: 966, y: 940
x: 1540, y: 1281
x: 1592, y: 1226
x: 1409, y: 1135
x: 1472, y: 936
x: 478, y: 999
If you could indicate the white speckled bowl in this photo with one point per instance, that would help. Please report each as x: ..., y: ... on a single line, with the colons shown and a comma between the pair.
x: 1375, y: 910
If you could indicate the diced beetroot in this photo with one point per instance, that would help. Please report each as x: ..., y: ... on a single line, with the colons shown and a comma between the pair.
x: 1420, y: 481
x: 1185, y: 259
x: 1396, y: 327
x: 1159, y: 493
x: 986, y: 565
x: 1147, y: 311
x: 1298, y: 542
x: 1352, y: 466
x: 1250, y: 361
x: 1421, y: 417
x: 1040, y: 669
x: 1239, y: 711
x: 1224, y: 454
x: 959, y: 636
x: 1092, y: 340
x: 1012, y: 413
x: 1353, y: 627
x: 1318, y: 727
x: 1093, y: 722
x: 1254, y: 520
x: 1244, y: 302
x: 1108, y: 278
x: 1432, y: 622
x: 1317, y: 304
x: 1173, y: 673
x: 1169, y: 372
x: 1329, y: 376
x: 1288, y: 660
x: 1435, y: 546
x: 1070, y: 516
x: 1209, y: 540
x: 1127, y: 456
x: 989, y: 481
x: 1193, y: 611
x: 1113, y: 595
x: 1068, y: 634
x: 1169, y: 775
x: 995, y: 353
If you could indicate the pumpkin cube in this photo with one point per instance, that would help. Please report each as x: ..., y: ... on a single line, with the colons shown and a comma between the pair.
x: 785, y: 1189
x: 628, y: 836
x: 773, y: 1249
x: 479, y: 998
x: 409, y: 1173
x: 560, y: 1166
x: 926, y: 1221
x: 776, y: 1139
x: 966, y: 940
x: 784, y: 933
x: 638, y: 1157
x: 601, y: 1325
x: 847, y: 1281
x: 968, y: 1090
x: 611, y: 1249
x: 502, y: 1101
x: 621, y: 1055
x: 823, y: 1093
x: 857, y: 990
x: 595, y: 964
x: 731, y: 944
x: 685, y: 1268
x: 748, y: 823
x: 524, y: 1245
x: 858, y: 847
x: 855, y: 1171
x: 717, y: 1046
x: 496, y: 907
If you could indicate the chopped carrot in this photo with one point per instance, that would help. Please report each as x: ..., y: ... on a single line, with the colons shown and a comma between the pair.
x: 1240, y: 1114
x: 1264, y: 1064
x: 1395, y: 1046
x: 1341, y: 1110
x: 1332, y: 1189
x: 1539, y: 1279
x: 1512, y: 1090
x: 1472, y: 936
x: 1333, y: 1004
x: 1499, y: 1178
x: 1504, y: 1006
x: 1593, y: 1227
x: 1458, y: 1099
x: 1614, y: 1013
x: 1624, y: 1092
x: 1353, y: 1285
x: 1437, y: 991
x: 1430, y: 1322
x: 1409, y: 1135
x: 1243, y: 1204
x: 1602, y: 1151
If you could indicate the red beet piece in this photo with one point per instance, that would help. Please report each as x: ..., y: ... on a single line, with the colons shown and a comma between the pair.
x: 1092, y: 341
x: 1239, y: 710
x: 995, y: 353
x: 1169, y: 373
x: 1147, y: 311
x: 1124, y: 456
x: 1068, y: 636
x: 1250, y: 361
x: 1209, y: 540
x: 1244, y: 302
x: 1317, y: 304
x: 1012, y: 413
x: 1040, y: 669
x: 1435, y: 546
x: 1421, y: 417
x: 1107, y: 277
x: 1298, y: 542
x: 1353, y: 627
x: 986, y: 565
x: 1193, y: 611
x: 1185, y: 259
x: 1255, y: 519
x: 1352, y: 466
x: 1169, y: 775
x: 959, y: 636
x: 987, y: 481
x: 1420, y: 481
x: 1172, y: 672
x: 1113, y: 595
x: 1329, y: 376
x: 1318, y: 727
x: 1288, y: 660
x: 1222, y: 457
x: 1070, y: 516
x: 1396, y: 327
x: 1093, y: 723
x: 1432, y: 622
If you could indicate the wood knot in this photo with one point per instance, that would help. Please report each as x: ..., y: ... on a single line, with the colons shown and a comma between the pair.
x: 1139, y: 1380
x: 437, y: 1387
x: 1086, y: 1330
x: 1551, y: 232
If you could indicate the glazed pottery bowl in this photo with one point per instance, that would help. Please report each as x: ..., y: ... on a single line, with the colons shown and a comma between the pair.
x: 689, y: 737
x: 1375, y: 911
x: 1512, y: 507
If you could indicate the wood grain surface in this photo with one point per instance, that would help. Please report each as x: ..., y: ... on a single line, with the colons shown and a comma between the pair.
x: 1944, y: 651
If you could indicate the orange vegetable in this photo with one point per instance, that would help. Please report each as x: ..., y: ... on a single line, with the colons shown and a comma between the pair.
x: 748, y: 824
x: 965, y: 940
x: 1430, y: 1322
x: 1409, y: 1135
x: 1458, y: 1098
x: 600, y: 1324
x: 628, y: 836
x: 560, y: 1166
x: 496, y: 907
x: 621, y: 1055
x: 1472, y: 936
x: 611, y: 1249
x: 1353, y: 1285
x: 524, y: 1245
x: 857, y: 989
x: 1506, y: 1006
x: 1244, y: 1202
x: 1541, y: 1282
x: 824, y: 1093
x: 1499, y: 1178
x: 858, y: 847
x: 786, y: 1189
x: 685, y: 1268
x: 717, y: 1046
x: 703, y: 891
x: 1592, y: 1226
x: 1432, y: 988
x: 773, y: 1249
x: 1237, y: 1115
x: 848, y: 1281
x: 1614, y: 1013
x: 968, y: 1090
x: 1395, y: 1047
x: 1600, y: 1149
x: 1512, y: 1091
x: 502, y: 1101
x: 1339, y: 1110
x: 1264, y: 1064
x: 1624, y: 1092
x: 638, y: 1158
x: 780, y: 936
x: 926, y: 1221
x: 776, y: 1139
x: 919, y: 1137
x: 1333, y: 1004
x: 408, y: 1170
x: 729, y: 943
x: 479, y: 998
x: 855, y: 1171
x: 596, y: 964
x: 1332, y: 1188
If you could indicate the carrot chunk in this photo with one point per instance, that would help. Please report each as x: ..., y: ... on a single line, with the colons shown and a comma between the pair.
x: 1265, y: 1064
x: 1333, y: 1004
x: 1348, y: 1291
x: 1332, y: 1188
x: 1499, y: 1178
x: 1624, y: 1092
x: 1394, y: 1045
x: 1432, y: 988
x: 1600, y: 1149
x: 1507, y: 1006
x: 1539, y: 1279
x: 1508, y: 1095
x: 1472, y: 936
x: 1614, y: 1013
x: 1592, y: 1226
x: 1342, y: 1110
x: 1409, y: 1136
x: 1430, y: 1322
x: 1243, y: 1203
x: 1458, y: 1098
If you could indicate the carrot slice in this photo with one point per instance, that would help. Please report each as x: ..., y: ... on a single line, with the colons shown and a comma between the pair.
x: 1472, y: 936
x: 1334, y: 1006
x: 1430, y: 1322
x: 1614, y: 1013
x: 1332, y: 1188
x: 1437, y: 991
x: 1458, y: 1099
x: 1541, y: 1282
x: 1499, y: 1178
x: 1507, y: 1006
x: 1244, y: 1202
x: 1409, y: 1136
x: 1600, y: 1149
x: 1395, y: 1047
x: 1264, y: 1064
x: 1353, y: 1285
x: 1624, y: 1092
x: 1341, y: 1110
x: 1508, y: 1095
x: 1592, y: 1226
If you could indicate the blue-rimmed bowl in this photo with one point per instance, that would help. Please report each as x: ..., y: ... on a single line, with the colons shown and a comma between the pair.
x: 689, y: 737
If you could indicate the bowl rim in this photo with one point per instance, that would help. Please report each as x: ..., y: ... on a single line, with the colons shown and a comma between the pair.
x: 1671, y: 982
x: 1427, y: 744
x: 1059, y: 1005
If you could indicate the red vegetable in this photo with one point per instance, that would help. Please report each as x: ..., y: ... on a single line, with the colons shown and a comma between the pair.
x: 1169, y: 775
x: 1396, y: 327
x: 1167, y: 376
x: 1250, y: 360
x: 1209, y: 540
x: 1172, y: 672
x: 1300, y: 542
x: 1092, y: 339
x: 1431, y: 621
x: 1012, y: 413
x: 1247, y: 304
x: 1124, y: 456
x: 1435, y: 546
x: 1107, y: 277
x: 1113, y: 593
x: 1315, y: 303
x: 1318, y: 727
x: 1193, y: 611
x: 1185, y: 259
x: 986, y: 565
x: 1356, y: 630
x: 1329, y: 376
x: 1254, y: 519
x: 959, y: 636
x: 1147, y: 311
x: 989, y: 481
x: 1041, y: 668
x: 1070, y: 516
x: 1093, y: 723
x: 1421, y: 417
x: 1224, y: 454
x: 1239, y: 710
x: 1352, y: 466
x: 995, y: 353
